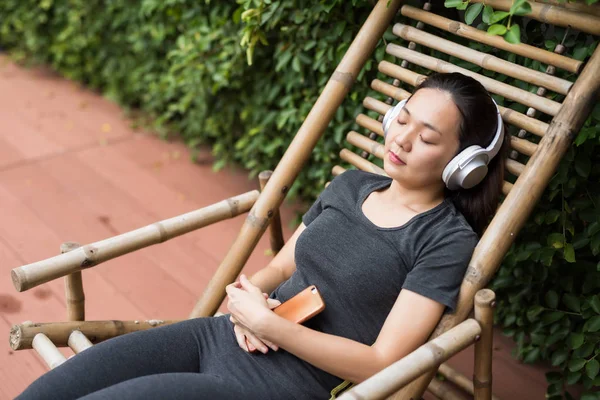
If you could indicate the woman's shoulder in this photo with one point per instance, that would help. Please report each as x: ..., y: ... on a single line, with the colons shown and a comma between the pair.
x: 358, y: 178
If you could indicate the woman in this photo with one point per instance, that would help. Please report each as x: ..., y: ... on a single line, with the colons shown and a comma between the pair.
x: 388, y: 255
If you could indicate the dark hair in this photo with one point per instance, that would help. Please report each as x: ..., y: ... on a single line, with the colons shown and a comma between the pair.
x: 478, y: 126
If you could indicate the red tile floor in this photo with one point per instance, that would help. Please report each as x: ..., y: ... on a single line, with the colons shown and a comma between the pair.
x: 72, y: 169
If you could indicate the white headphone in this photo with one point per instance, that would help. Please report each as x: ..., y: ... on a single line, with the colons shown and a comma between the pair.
x: 468, y: 167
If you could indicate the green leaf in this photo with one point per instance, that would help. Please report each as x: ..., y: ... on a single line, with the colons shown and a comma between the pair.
x: 462, y: 6
x: 583, y: 166
x: 572, y: 302
x: 551, y: 216
x: 576, y: 364
x: 452, y: 3
x: 515, y: 5
x: 592, y: 368
x: 569, y: 253
x: 593, y: 324
x: 473, y: 12
x: 556, y: 240
x: 559, y: 357
x: 488, y: 11
x: 552, y: 299
x: 584, y: 351
x: 496, y: 29
x: 498, y: 16
x: 595, y: 303
x: 523, y: 9
x: 513, y: 35
x: 576, y: 340
x: 580, y: 53
x: 552, y: 317
x: 533, y: 312
x: 532, y: 356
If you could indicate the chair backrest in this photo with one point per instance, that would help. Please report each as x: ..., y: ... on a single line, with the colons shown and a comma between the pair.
x: 542, y: 111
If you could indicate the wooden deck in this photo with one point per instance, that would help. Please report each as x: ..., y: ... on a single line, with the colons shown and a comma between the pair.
x: 72, y: 169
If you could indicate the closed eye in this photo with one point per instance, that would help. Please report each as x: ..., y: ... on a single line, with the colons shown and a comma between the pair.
x: 424, y: 141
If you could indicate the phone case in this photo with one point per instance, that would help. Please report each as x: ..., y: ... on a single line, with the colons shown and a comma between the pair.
x: 302, y: 306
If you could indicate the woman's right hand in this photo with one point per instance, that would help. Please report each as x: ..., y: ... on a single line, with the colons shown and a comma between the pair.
x: 247, y: 340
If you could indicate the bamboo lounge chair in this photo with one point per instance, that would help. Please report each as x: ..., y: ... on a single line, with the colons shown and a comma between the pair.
x: 412, y: 374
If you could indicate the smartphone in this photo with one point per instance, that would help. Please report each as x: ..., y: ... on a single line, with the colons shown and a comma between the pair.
x: 302, y: 306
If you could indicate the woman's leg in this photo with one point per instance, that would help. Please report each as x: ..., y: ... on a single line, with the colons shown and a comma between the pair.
x: 179, y: 386
x: 172, y: 348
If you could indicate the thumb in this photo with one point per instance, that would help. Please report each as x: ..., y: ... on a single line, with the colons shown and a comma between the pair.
x: 247, y: 285
x: 272, y: 303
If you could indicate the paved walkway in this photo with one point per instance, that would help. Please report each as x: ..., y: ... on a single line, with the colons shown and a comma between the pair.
x: 73, y: 169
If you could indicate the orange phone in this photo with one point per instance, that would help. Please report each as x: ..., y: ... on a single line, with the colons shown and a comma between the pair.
x: 302, y: 306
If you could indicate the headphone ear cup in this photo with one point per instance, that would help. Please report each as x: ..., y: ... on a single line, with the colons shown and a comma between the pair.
x: 474, y: 168
x: 390, y: 115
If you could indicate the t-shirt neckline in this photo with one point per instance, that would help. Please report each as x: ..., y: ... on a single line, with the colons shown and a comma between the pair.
x: 368, y: 189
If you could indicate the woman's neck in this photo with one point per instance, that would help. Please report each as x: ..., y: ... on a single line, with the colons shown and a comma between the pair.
x: 418, y: 199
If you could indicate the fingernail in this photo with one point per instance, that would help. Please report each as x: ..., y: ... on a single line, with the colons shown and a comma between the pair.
x: 264, y: 350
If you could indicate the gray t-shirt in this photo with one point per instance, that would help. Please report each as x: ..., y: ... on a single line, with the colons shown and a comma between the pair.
x: 360, y: 268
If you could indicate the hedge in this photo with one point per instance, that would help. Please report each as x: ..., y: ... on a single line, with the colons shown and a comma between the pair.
x: 185, y: 65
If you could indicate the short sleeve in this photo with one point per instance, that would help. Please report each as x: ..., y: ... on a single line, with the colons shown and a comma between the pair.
x: 313, y: 212
x: 440, y: 267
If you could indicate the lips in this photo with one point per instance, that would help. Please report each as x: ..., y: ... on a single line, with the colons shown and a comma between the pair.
x: 395, y: 159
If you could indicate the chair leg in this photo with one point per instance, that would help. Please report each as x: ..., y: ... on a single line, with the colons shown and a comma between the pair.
x: 74, y: 295
x: 484, y: 314
x: 275, y: 229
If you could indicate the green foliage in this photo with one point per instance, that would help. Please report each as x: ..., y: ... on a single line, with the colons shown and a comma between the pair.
x: 242, y: 76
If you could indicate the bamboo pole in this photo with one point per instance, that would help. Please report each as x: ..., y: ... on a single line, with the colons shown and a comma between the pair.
x: 78, y: 342
x: 514, y: 167
x: 276, y: 231
x: 74, y: 296
x: 593, y: 9
x: 506, y: 187
x: 484, y: 60
x: 480, y: 36
x: 369, y: 124
x: 509, y: 116
x: 519, y: 203
x: 444, y: 391
x: 485, y: 300
x: 583, y: 21
x: 297, y: 154
x: 376, y: 105
x: 458, y: 379
x: 360, y: 163
x: 543, y: 104
x: 337, y: 170
x: 47, y: 351
x: 523, y: 146
x: 31, y: 275
x: 21, y: 336
x: 425, y: 358
x: 366, y: 144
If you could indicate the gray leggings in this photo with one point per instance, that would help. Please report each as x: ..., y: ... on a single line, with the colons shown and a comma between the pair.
x: 196, y: 359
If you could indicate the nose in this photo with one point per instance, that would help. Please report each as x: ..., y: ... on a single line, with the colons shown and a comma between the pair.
x: 404, y: 138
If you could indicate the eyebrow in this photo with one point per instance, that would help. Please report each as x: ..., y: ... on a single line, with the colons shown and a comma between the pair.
x: 427, y: 124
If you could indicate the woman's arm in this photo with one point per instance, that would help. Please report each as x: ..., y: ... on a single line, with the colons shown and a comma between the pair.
x: 281, y: 267
x: 409, y: 324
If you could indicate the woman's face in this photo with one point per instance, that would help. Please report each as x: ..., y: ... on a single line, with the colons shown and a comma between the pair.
x: 422, y: 140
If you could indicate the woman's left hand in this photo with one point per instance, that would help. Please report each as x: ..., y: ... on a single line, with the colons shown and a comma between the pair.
x: 247, y: 304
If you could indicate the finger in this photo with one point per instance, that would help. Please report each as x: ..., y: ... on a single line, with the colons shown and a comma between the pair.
x: 251, y: 348
x: 241, y: 339
x: 272, y: 345
x: 257, y: 343
x: 266, y: 295
x: 272, y: 303
x: 247, y: 285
